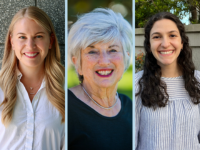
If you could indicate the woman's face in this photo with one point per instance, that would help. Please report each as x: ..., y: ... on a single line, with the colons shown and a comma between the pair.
x: 102, y: 64
x: 165, y: 41
x: 30, y: 42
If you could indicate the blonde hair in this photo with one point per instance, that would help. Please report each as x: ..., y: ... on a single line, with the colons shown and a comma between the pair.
x: 54, y: 71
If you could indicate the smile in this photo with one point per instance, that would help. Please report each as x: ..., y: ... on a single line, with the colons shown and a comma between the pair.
x: 31, y: 55
x: 104, y: 73
x: 166, y: 52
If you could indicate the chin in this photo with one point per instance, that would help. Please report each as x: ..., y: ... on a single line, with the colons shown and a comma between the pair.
x: 105, y: 85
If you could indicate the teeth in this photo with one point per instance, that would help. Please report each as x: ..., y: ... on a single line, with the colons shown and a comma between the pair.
x: 168, y: 52
x: 104, y: 72
x: 31, y: 54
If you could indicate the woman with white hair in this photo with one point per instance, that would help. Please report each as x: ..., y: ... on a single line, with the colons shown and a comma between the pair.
x: 32, y: 97
x: 100, y: 45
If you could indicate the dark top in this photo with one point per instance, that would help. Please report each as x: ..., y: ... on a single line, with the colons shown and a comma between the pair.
x: 89, y: 130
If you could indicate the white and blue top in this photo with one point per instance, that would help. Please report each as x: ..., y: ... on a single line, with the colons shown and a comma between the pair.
x: 173, y: 127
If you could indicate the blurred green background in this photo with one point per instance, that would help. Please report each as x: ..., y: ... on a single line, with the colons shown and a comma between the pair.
x: 78, y: 7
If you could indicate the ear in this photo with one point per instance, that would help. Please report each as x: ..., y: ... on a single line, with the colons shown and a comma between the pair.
x: 78, y: 68
x: 11, y: 42
x: 52, y: 38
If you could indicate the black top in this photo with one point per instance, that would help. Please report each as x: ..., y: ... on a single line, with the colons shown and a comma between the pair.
x: 89, y: 130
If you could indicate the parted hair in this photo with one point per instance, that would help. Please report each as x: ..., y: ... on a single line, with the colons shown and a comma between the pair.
x: 152, y: 89
x: 99, y: 25
x: 54, y: 71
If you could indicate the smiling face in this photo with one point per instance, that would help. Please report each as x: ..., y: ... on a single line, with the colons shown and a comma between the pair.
x: 30, y: 42
x: 102, y: 64
x: 165, y: 41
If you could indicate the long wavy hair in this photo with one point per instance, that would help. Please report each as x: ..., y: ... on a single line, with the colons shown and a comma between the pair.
x: 54, y: 71
x: 152, y: 89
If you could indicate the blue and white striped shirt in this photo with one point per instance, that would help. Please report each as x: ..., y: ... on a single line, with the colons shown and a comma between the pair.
x: 173, y: 127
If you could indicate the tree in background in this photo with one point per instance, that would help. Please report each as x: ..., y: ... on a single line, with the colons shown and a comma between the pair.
x: 144, y: 9
x: 77, y: 7
x: 194, y: 8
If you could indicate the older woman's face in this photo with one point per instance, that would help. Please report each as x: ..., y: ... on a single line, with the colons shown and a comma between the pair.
x: 102, y: 64
x: 30, y: 42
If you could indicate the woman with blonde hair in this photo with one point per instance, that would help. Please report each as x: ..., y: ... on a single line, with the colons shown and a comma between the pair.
x: 32, y: 100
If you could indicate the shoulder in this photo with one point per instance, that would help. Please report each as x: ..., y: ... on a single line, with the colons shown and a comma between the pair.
x: 197, y: 75
x: 126, y: 104
x: 138, y: 75
x: 1, y: 95
x: 125, y: 100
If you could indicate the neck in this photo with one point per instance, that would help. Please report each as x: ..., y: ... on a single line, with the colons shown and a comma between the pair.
x: 171, y: 71
x: 105, y: 97
x: 31, y: 75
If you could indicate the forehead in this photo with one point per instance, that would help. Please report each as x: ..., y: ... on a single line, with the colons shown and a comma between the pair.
x: 110, y: 44
x: 27, y: 25
x: 163, y: 26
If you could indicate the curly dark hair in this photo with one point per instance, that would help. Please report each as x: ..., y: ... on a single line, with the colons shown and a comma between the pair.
x: 152, y: 89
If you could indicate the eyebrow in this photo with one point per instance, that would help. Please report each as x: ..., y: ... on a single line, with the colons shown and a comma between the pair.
x: 91, y: 46
x: 36, y: 33
x: 168, y: 32
x: 113, y: 46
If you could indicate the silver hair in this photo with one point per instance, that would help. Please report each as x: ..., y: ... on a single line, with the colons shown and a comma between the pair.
x: 100, y: 25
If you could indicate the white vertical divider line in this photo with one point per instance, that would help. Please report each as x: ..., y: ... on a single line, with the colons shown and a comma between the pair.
x: 133, y: 69
x: 66, y: 68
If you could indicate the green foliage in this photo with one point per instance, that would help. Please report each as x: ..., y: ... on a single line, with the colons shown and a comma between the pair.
x: 144, y: 9
x: 78, y: 7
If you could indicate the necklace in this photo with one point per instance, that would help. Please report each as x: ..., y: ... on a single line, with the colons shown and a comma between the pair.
x: 96, y: 102
x: 32, y: 88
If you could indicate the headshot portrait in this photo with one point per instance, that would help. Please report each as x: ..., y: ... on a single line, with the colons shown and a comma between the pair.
x: 100, y: 48
x: 32, y: 96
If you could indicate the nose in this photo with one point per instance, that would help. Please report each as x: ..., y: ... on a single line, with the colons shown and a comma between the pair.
x: 165, y: 42
x: 30, y: 43
x: 104, y: 59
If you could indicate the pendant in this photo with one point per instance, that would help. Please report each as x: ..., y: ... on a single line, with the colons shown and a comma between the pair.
x: 31, y: 88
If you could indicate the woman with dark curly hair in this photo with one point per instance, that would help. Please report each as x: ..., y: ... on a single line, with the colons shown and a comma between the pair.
x: 168, y: 89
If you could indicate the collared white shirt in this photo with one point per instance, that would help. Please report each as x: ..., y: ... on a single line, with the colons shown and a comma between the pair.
x: 35, y: 125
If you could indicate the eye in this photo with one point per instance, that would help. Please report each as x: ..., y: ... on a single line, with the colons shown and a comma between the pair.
x: 156, y: 37
x: 112, y: 50
x: 92, y: 52
x: 22, y: 37
x: 38, y: 36
x: 172, y: 35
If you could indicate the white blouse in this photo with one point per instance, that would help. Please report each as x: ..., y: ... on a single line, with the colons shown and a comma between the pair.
x: 173, y: 127
x: 35, y: 125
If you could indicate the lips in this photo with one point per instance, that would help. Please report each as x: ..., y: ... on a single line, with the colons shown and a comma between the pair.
x: 166, y: 52
x: 31, y: 55
x: 104, y: 72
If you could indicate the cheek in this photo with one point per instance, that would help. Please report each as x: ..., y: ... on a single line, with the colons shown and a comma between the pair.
x: 119, y: 61
x: 88, y: 62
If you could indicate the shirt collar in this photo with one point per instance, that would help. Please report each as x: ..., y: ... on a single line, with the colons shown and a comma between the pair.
x: 19, y: 76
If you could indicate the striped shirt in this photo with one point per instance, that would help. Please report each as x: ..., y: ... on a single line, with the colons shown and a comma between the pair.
x: 173, y: 127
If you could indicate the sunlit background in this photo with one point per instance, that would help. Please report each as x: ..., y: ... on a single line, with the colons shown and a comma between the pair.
x: 78, y: 7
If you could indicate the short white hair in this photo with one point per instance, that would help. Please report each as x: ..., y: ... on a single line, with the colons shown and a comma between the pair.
x: 100, y: 25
